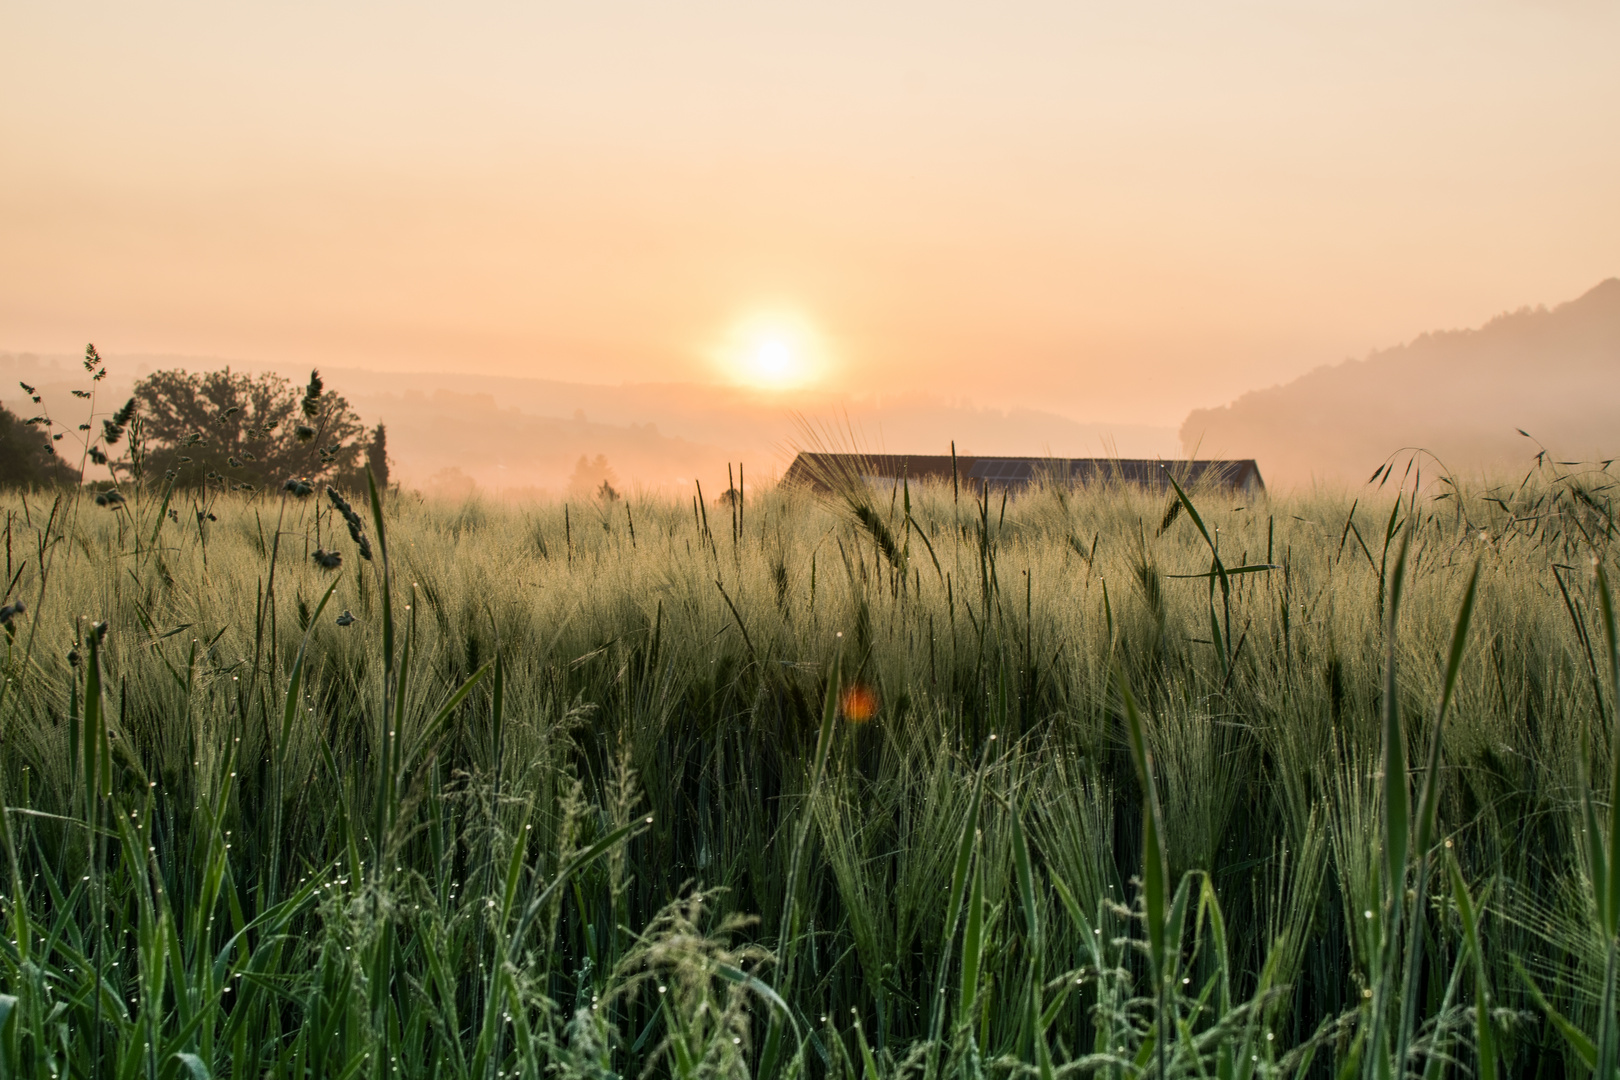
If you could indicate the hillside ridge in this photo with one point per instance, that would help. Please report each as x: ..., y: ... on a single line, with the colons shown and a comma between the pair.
x: 1463, y: 394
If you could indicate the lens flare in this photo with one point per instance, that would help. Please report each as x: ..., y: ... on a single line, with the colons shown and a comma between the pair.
x: 858, y: 703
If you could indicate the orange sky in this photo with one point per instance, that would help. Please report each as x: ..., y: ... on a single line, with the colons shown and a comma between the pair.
x: 1112, y: 211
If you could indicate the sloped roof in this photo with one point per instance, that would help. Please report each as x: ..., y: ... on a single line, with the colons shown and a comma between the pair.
x: 817, y: 470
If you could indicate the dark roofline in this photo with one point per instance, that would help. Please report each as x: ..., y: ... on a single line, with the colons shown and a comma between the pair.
x: 821, y: 470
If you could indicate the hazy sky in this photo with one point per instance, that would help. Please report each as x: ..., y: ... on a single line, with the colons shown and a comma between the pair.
x: 1115, y: 211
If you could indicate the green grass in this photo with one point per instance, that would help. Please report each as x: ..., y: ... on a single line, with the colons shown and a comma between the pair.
x: 1160, y: 785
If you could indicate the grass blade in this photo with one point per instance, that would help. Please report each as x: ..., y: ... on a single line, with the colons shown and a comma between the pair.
x: 1428, y: 805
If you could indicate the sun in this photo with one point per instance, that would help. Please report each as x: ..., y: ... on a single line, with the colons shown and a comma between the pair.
x: 773, y: 351
x: 774, y: 361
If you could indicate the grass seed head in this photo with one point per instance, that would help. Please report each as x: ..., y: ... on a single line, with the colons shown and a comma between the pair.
x: 312, y: 397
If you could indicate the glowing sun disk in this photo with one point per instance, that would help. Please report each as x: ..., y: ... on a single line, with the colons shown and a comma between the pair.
x: 775, y: 361
x: 773, y: 353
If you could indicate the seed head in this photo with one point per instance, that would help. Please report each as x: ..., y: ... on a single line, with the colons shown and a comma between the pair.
x: 352, y: 519
x: 113, y: 430
x: 312, y: 396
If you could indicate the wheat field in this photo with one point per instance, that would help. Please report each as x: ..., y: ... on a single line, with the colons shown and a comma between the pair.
x: 919, y: 782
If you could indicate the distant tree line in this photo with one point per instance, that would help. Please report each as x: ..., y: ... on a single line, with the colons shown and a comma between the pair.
x: 217, y: 429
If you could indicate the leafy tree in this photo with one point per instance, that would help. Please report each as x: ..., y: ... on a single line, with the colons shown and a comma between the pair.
x: 245, y: 432
x: 28, y: 458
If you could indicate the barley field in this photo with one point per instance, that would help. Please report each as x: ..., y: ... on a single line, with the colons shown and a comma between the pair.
x: 914, y: 783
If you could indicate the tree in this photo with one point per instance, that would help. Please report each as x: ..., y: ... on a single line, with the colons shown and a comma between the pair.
x: 245, y: 432
x: 28, y: 458
x: 591, y: 478
x: 377, y: 456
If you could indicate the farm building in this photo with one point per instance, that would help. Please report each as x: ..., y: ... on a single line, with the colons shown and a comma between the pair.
x: 820, y: 471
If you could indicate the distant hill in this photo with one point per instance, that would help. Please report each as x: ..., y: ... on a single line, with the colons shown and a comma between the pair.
x: 1462, y: 394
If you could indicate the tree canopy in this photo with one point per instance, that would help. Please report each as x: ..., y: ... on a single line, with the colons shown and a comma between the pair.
x: 246, y: 432
x: 27, y: 456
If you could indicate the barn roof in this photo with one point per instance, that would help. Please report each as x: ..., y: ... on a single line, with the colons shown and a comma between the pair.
x: 818, y: 470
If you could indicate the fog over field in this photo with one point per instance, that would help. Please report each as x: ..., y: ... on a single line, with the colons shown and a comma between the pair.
x: 1482, y: 401
x: 523, y: 438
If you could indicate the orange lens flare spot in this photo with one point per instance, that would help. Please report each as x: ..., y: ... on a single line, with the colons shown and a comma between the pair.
x: 858, y: 703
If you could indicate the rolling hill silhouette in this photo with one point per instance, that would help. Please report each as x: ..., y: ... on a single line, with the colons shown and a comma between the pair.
x: 1462, y: 394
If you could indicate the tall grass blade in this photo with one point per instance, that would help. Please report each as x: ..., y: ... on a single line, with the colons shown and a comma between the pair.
x: 1381, y: 1057
x: 1606, y: 884
x: 1155, y: 864
x: 1484, y: 1034
x: 966, y: 844
x: 1428, y: 805
x: 788, y: 940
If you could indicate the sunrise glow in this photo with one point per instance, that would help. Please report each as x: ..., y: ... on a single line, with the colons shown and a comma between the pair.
x: 773, y: 351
